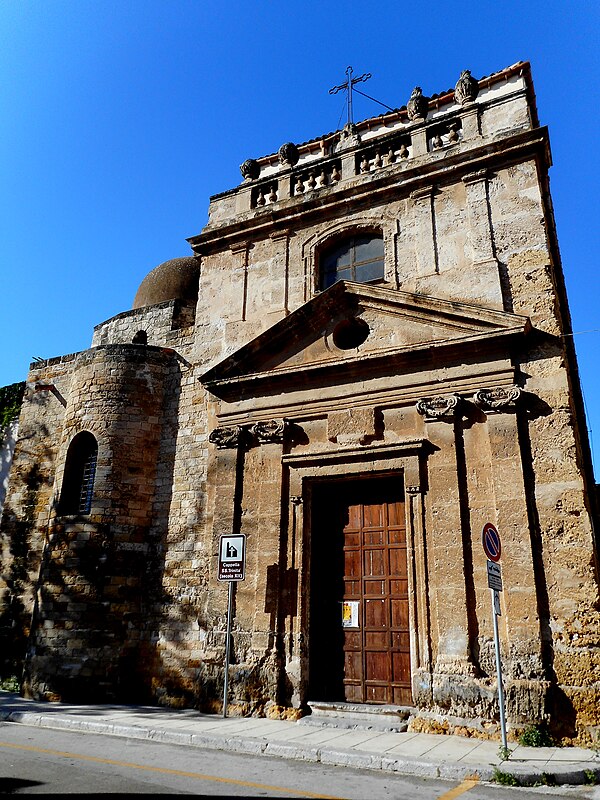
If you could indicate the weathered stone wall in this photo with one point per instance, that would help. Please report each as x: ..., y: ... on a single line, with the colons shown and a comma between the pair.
x: 480, y: 235
x: 473, y: 410
x: 165, y: 324
x: 177, y: 624
x: 29, y: 504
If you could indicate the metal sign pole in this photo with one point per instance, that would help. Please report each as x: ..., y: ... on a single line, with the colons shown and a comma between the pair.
x: 232, y: 568
x: 227, y: 647
x: 495, y: 603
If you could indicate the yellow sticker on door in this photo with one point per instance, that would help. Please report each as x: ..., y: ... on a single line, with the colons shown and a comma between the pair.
x: 350, y: 614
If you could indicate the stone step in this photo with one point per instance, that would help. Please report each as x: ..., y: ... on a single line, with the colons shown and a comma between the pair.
x: 358, y: 716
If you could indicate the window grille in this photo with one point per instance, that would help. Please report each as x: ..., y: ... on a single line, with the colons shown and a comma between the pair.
x: 80, y: 471
x: 87, y: 483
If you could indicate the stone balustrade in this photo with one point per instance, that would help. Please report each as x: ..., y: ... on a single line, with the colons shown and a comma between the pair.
x: 265, y: 194
x: 393, y: 150
x: 319, y: 176
x: 384, y: 154
x: 444, y: 135
x: 474, y: 110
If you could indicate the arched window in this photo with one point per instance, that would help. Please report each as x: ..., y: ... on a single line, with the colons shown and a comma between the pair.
x: 80, y: 471
x: 358, y: 258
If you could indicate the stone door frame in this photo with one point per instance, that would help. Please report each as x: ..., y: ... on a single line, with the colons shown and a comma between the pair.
x: 405, y: 459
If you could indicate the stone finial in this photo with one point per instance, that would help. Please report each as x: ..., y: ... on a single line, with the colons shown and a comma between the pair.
x: 497, y: 399
x: 288, y: 155
x: 433, y: 408
x: 226, y: 438
x: 418, y: 105
x: 466, y: 89
x: 250, y: 169
x: 349, y: 137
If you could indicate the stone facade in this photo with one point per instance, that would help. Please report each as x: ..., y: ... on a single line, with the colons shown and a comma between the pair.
x: 443, y: 393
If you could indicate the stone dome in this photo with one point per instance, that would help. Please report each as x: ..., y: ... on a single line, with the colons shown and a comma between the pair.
x: 176, y: 279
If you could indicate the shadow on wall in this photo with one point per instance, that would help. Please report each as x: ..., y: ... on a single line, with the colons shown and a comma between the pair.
x: 94, y: 627
x: 11, y: 399
x: 19, y: 572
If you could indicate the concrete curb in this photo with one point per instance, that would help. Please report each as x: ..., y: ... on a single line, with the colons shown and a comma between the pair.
x: 524, y: 773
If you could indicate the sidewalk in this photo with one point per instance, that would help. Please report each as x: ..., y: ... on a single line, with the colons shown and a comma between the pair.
x: 427, y: 755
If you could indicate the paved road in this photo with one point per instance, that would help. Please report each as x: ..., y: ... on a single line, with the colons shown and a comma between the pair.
x: 42, y: 761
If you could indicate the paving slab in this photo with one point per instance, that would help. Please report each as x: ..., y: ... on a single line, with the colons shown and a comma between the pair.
x: 382, y: 743
x: 323, y: 735
x: 352, y: 739
x: 426, y: 755
x: 415, y: 748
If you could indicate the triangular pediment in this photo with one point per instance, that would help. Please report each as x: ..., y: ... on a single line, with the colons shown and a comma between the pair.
x: 353, y: 326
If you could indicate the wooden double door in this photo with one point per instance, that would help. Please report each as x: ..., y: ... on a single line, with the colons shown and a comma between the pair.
x: 359, y: 605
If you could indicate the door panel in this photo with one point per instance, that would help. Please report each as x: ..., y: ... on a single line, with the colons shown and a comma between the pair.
x: 360, y: 526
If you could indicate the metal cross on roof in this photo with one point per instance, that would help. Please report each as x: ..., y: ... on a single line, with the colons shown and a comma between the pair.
x: 348, y: 86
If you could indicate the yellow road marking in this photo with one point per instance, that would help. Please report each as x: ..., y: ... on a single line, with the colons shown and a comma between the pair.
x: 164, y: 771
x: 467, y: 784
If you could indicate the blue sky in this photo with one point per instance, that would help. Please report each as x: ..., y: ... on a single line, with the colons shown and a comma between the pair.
x: 119, y: 119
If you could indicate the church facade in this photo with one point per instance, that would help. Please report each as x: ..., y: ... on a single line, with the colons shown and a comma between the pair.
x: 364, y: 360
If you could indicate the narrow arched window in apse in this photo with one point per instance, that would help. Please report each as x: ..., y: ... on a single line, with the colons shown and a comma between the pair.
x: 80, y: 473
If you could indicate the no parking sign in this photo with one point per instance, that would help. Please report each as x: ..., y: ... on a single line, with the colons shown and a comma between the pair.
x: 490, y: 539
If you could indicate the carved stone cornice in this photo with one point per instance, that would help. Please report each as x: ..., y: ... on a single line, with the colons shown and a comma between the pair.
x: 439, y: 408
x: 269, y: 432
x: 376, y: 189
x: 499, y: 398
x: 227, y: 438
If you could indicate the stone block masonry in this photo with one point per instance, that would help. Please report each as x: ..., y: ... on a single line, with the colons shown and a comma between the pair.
x: 365, y: 359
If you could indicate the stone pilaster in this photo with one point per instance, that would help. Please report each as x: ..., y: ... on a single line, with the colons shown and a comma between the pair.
x: 445, y: 537
x: 226, y: 471
x: 485, y: 274
x: 240, y: 282
x: 478, y: 209
x: 521, y: 624
x: 425, y: 237
x: 418, y: 141
x: 419, y: 589
x: 279, y: 273
x: 470, y: 122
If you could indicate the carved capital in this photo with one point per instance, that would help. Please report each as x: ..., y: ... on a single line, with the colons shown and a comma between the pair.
x: 413, y: 490
x: 296, y: 500
x: 439, y: 408
x: 475, y: 177
x: 424, y: 193
x: 497, y: 399
x: 226, y: 438
x: 269, y: 432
